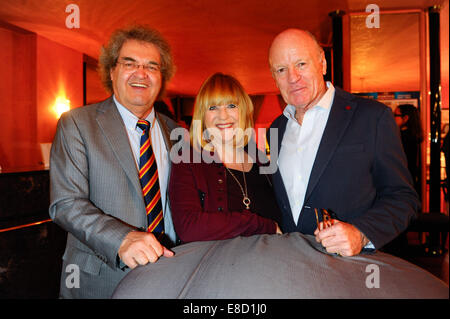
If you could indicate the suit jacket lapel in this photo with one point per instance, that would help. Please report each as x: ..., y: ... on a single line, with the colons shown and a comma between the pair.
x: 341, y: 113
x: 287, y: 220
x: 165, y: 130
x: 110, y: 122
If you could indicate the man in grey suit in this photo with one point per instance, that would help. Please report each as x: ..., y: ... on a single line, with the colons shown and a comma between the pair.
x: 337, y: 152
x: 96, y: 194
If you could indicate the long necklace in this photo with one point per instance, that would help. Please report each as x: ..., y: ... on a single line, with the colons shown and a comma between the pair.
x: 245, y: 199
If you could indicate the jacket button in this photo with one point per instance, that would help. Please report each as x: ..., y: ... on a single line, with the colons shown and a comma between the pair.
x: 220, y: 181
x: 220, y: 209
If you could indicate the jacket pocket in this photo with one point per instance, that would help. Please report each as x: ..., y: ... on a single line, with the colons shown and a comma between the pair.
x: 85, y: 261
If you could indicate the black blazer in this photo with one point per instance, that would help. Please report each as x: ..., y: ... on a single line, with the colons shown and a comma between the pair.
x: 360, y: 172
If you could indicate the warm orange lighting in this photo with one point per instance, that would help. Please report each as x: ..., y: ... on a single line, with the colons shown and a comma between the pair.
x: 61, y: 105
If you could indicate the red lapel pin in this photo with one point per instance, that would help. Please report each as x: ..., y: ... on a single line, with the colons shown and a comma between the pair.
x: 348, y: 107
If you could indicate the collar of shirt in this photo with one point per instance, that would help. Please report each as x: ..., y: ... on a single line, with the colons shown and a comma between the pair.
x: 130, y: 120
x: 325, y: 102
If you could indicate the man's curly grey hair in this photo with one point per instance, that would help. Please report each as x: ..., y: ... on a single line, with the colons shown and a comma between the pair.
x: 110, y: 53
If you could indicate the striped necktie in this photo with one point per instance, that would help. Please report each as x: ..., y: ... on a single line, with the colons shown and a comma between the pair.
x: 148, y: 175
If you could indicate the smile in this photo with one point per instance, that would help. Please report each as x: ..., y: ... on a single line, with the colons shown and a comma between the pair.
x: 224, y: 126
x: 139, y: 85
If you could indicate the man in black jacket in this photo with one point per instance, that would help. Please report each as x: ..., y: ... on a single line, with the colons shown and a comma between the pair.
x: 336, y: 152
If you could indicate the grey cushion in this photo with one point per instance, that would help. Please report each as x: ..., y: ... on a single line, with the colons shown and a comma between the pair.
x: 276, y: 266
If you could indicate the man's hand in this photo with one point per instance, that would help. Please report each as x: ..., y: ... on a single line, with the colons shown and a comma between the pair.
x: 341, y: 238
x: 140, y: 248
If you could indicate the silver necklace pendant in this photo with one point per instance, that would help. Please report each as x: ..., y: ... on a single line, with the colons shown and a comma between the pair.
x: 246, y: 202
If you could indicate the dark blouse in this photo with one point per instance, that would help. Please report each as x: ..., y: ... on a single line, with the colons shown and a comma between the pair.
x: 206, y: 203
x: 260, y: 192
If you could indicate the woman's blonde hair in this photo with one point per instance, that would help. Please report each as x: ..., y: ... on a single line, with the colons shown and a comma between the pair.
x: 220, y: 89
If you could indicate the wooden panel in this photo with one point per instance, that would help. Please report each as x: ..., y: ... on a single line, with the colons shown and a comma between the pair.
x: 30, y: 259
x: 24, y: 197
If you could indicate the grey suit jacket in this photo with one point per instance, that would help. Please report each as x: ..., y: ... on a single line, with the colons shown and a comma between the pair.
x: 95, y: 194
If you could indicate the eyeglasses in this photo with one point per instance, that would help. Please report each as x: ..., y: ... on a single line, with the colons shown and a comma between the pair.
x: 326, y: 218
x: 130, y: 66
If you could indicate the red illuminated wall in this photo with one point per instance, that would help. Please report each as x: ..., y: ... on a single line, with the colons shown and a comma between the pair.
x: 95, y: 92
x: 18, y: 130
x: 59, y: 71
x: 33, y: 72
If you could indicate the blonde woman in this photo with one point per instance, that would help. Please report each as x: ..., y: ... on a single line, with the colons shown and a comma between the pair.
x: 223, y: 195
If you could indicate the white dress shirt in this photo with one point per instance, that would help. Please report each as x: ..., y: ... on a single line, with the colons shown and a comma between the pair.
x: 299, y: 148
x: 161, y: 156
